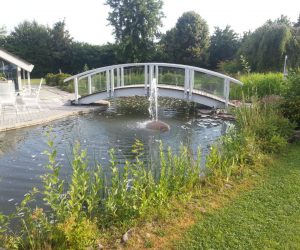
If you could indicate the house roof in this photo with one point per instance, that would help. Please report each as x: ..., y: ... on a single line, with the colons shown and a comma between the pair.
x: 15, y: 60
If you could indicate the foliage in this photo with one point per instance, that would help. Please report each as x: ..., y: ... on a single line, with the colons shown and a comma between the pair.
x: 31, y: 40
x: 260, y: 130
x: 53, y: 49
x: 267, y: 46
x: 290, y: 106
x: 2, y: 32
x: 2, y: 77
x: 245, y: 65
x: 266, y: 125
x: 94, y: 56
x: 75, y: 212
x: 135, y: 25
x: 229, y: 67
x: 58, y: 80
x: 223, y: 46
x: 259, y: 85
x: 60, y: 45
x: 188, y: 42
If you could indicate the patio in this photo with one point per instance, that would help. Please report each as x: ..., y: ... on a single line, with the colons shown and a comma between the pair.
x: 54, y: 104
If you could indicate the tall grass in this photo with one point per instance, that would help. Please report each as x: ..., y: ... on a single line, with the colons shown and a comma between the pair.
x: 76, y: 213
x: 260, y: 130
x: 259, y: 85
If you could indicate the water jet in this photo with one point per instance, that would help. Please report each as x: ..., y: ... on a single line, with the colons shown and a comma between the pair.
x: 155, y: 124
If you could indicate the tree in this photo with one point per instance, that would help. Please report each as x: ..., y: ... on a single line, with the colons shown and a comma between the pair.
x: 2, y: 32
x: 223, y: 46
x: 93, y: 55
x: 136, y: 25
x: 168, y: 46
x: 60, y: 45
x: 2, y: 36
x: 266, y: 47
x: 297, y: 24
x: 30, y: 41
x: 188, y: 42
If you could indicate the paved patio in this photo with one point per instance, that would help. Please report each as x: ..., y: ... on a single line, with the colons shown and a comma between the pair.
x: 54, y: 104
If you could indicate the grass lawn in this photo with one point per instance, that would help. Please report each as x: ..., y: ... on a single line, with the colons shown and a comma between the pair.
x: 266, y: 217
x: 35, y: 81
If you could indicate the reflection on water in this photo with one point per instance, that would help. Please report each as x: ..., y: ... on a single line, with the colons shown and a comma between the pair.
x: 22, y: 159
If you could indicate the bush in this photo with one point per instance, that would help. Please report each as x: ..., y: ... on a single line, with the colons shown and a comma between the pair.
x: 291, y: 105
x: 260, y: 130
x: 259, y: 85
x: 58, y: 81
x: 229, y: 67
x: 2, y: 77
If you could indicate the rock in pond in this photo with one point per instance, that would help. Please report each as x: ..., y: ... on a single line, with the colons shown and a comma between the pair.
x: 158, y: 125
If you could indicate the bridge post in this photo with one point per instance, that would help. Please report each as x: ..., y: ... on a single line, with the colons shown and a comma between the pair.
x: 107, y: 83
x: 226, y: 91
x: 118, y: 77
x: 156, y: 73
x: 90, y: 85
x: 122, y: 76
x: 146, y: 79
x: 112, y: 82
x: 191, y: 85
x: 186, y: 81
x: 76, y: 89
x: 150, y: 76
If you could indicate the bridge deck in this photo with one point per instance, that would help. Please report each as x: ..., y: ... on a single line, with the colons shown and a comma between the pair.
x: 163, y: 90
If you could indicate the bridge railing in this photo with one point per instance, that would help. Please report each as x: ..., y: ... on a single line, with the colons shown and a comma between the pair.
x: 187, y: 78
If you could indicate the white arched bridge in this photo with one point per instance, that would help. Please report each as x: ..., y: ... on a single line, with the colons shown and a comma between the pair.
x: 173, y: 80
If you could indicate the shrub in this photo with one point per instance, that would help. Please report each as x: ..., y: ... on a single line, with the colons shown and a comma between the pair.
x: 290, y: 107
x: 229, y: 67
x: 260, y: 129
x: 265, y: 124
x: 58, y: 81
x: 2, y: 77
x: 259, y: 85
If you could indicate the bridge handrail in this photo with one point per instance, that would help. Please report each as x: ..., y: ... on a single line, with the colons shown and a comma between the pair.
x: 171, y: 65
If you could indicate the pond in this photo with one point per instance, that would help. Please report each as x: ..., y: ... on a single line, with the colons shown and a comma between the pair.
x: 22, y: 158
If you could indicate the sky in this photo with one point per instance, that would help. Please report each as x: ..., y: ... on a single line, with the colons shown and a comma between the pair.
x: 86, y: 19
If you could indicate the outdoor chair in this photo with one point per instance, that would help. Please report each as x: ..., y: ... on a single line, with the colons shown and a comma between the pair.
x: 8, y: 95
x: 32, y: 97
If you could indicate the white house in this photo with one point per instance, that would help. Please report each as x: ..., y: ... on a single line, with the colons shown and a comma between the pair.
x: 15, y: 68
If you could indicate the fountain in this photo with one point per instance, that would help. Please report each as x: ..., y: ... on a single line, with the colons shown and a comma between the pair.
x: 155, y: 124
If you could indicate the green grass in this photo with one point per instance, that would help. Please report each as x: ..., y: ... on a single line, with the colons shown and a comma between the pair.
x: 35, y: 81
x: 266, y: 217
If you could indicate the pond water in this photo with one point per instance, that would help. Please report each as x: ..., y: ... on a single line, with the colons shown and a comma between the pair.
x: 22, y: 159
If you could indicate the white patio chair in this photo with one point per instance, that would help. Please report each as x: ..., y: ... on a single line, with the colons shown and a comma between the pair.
x: 8, y: 95
x: 32, y: 98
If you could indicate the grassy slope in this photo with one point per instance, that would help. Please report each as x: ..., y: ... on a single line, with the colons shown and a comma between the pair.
x: 267, y: 217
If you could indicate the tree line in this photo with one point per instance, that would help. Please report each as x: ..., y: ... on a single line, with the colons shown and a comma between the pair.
x: 136, y: 27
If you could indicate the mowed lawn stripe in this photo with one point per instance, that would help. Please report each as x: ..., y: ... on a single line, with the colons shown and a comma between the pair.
x: 266, y: 217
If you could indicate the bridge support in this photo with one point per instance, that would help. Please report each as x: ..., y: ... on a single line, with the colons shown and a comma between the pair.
x: 76, y: 89
x: 226, y: 91
x: 89, y: 85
